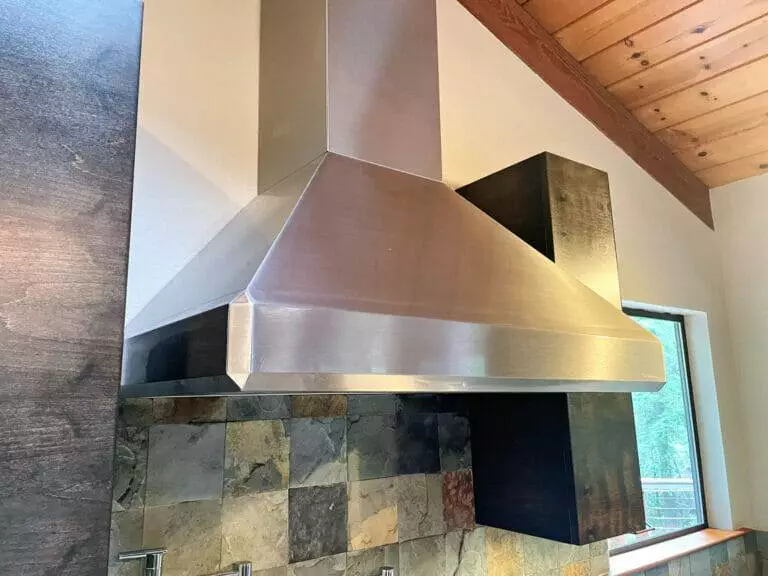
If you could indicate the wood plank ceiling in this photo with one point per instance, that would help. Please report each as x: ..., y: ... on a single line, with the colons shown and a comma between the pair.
x: 694, y: 72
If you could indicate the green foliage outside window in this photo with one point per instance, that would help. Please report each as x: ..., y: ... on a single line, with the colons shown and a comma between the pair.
x: 665, y: 438
x: 661, y: 417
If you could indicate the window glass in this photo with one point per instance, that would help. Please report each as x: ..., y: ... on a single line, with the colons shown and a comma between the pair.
x: 666, y: 442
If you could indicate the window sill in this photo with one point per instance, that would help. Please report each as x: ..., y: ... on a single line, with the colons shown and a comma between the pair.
x: 657, y: 554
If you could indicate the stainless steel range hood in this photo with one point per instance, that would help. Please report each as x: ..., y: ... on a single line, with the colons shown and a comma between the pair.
x: 355, y: 269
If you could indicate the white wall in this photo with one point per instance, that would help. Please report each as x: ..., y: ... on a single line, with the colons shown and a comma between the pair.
x: 197, y: 142
x: 741, y: 217
x: 495, y: 112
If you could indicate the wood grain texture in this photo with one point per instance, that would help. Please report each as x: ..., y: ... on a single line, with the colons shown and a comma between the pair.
x: 69, y: 74
x: 734, y: 119
x: 520, y: 32
x: 549, y: 201
x: 727, y: 149
x: 686, y: 29
x: 728, y: 88
x: 637, y: 561
x: 613, y: 22
x: 719, y: 55
x: 736, y: 170
x: 520, y: 485
x: 554, y: 14
x: 606, y: 473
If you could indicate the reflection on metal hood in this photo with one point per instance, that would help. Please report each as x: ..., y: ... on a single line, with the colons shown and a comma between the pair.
x: 355, y: 269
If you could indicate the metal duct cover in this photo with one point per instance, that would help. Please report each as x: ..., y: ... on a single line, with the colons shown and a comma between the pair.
x: 356, y: 270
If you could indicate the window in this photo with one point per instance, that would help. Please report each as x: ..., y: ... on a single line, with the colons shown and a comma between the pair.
x: 667, y: 443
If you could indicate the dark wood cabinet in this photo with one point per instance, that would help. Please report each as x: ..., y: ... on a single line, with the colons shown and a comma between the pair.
x: 558, y: 466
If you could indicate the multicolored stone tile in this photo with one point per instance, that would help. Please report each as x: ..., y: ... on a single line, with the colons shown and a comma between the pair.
x: 577, y: 569
x: 680, y: 566
x: 599, y: 559
x: 423, y: 557
x: 419, y: 403
x: 539, y: 555
x: 258, y: 407
x: 761, y: 539
x: 317, y: 522
x: 372, y: 447
x: 754, y: 565
x: 135, y: 412
x: 360, y: 404
x: 455, y: 449
x: 735, y: 548
x: 255, y: 528
x: 131, y: 449
x: 188, y: 410
x: 417, y: 444
x: 191, y: 531
x: 318, y: 405
x: 459, y: 500
x: 737, y: 558
x: 420, y: 506
x: 126, y: 533
x: 370, y: 562
x: 701, y: 563
x: 503, y: 552
x: 329, y: 566
x: 721, y: 570
x: 185, y: 463
x: 750, y: 542
x: 372, y: 512
x: 465, y: 553
x: 718, y: 554
x: 568, y: 554
x: 318, y: 451
x: 598, y: 548
x: 280, y: 571
x: 256, y: 457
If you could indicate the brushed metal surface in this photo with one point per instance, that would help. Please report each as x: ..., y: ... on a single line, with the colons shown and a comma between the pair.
x: 367, y: 238
x: 383, y: 100
x: 224, y: 267
x: 377, y: 267
x: 398, y: 275
x: 350, y: 77
x: 262, y: 383
x: 239, y: 342
x: 292, y: 87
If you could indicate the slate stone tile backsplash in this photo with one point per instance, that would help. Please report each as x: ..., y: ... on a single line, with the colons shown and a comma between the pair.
x: 317, y: 521
x: 256, y: 457
x: 318, y: 451
x: 330, y: 485
x: 417, y: 443
x: 372, y: 511
x: 130, y: 468
x: 185, y: 463
x: 372, y: 446
x: 258, y: 408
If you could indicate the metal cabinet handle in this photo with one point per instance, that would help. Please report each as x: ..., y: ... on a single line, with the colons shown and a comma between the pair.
x: 153, y: 559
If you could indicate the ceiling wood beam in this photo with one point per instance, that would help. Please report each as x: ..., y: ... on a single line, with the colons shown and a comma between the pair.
x: 521, y: 33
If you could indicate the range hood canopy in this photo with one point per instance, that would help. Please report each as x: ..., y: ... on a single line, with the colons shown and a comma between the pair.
x: 355, y: 269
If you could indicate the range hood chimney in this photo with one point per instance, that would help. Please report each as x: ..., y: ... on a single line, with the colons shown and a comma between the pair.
x: 355, y: 269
